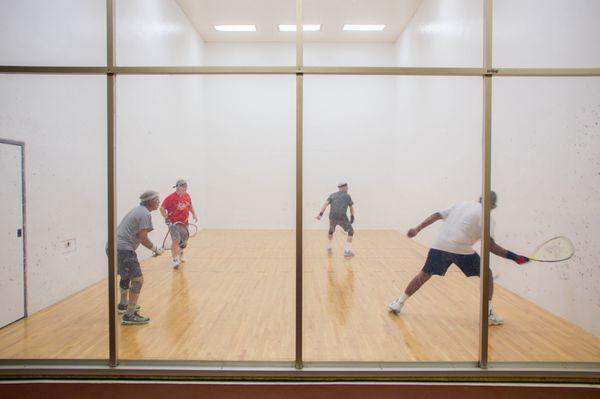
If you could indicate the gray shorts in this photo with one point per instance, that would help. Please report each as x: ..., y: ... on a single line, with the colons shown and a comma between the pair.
x: 344, y: 223
x: 179, y: 233
x: 128, y: 266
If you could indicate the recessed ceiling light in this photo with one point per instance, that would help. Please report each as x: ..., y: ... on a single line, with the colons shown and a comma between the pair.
x: 235, y: 28
x: 305, y: 28
x: 364, y: 27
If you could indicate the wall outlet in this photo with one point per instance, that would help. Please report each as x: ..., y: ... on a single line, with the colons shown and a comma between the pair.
x: 68, y: 245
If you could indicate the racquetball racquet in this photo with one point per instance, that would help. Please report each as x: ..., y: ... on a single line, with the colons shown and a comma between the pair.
x: 556, y: 249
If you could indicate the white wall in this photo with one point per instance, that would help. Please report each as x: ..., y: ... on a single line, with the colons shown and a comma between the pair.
x: 443, y: 33
x: 248, y: 152
x: 62, y: 120
x: 546, y: 168
x: 349, y: 136
x: 155, y: 33
x: 39, y: 32
x: 545, y: 133
x: 546, y: 33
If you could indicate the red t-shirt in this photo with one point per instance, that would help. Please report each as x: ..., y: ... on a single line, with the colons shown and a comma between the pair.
x: 178, y: 208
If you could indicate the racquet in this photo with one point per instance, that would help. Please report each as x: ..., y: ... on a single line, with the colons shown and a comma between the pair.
x: 191, y: 228
x: 555, y: 249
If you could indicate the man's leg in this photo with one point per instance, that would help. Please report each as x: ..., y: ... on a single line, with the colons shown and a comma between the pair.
x: 330, y: 236
x: 350, y: 230
x: 437, y: 262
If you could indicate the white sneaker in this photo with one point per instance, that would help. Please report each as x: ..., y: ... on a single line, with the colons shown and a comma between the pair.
x: 396, y: 306
x: 181, y: 257
x: 348, y: 253
x: 494, y: 319
x: 176, y: 263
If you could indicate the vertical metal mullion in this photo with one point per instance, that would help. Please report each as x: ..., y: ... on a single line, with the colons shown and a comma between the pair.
x: 299, y: 184
x: 111, y: 182
x: 486, y: 184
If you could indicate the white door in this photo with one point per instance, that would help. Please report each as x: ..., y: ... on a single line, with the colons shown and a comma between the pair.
x: 12, y: 284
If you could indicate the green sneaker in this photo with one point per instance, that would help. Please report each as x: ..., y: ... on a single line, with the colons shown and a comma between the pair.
x: 135, y: 318
x: 121, y: 309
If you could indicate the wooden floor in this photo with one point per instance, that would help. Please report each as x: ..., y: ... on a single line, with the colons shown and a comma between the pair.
x: 234, y: 301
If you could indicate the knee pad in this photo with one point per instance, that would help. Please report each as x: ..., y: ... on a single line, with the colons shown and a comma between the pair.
x: 183, y: 245
x: 136, y: 286
x: 124, y: 284
x: 350, y: 232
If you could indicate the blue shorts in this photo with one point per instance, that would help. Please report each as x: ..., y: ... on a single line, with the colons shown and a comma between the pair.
x: 438, y: 263
x: 344, y: 223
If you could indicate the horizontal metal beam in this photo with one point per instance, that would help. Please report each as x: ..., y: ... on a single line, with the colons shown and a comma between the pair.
x: 54, y: 70
x: 547, y: 72
x: 225, y: 70
x: 291, y: 70
x: 442, y: 371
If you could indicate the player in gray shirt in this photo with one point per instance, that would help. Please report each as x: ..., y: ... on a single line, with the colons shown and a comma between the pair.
x: 339, y: 202
x: 131, y: 232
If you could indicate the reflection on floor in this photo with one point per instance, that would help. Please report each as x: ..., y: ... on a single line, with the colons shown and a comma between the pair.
x: 234, y: 300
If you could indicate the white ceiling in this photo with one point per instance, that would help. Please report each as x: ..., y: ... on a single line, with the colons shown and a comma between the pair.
x: 330, y: 14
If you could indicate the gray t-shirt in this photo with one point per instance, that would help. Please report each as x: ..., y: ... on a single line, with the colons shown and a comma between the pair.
x: 339, y: 201
x: 127, y: 233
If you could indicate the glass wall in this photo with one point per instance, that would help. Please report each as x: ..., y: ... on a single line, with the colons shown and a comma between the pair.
x: 376, y: 135
x: 545, y: 169
x: 231, y: 298
x: 55, y: 271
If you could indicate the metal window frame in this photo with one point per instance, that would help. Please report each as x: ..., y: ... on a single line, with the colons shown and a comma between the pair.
x: 298, y: 369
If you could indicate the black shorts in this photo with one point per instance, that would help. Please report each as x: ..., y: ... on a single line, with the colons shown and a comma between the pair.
x: 128, y: 266
x: 344, y: 223
x: 438, y: 262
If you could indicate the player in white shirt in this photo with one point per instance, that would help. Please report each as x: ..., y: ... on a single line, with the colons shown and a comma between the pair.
x: 454, y: 244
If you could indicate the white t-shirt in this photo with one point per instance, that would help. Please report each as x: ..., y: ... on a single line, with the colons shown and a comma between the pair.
x: 461, y: 228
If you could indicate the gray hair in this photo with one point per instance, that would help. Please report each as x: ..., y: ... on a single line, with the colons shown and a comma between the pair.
x: 148, y: 196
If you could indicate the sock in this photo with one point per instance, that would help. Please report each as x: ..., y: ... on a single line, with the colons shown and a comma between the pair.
x: 489, y: 307
x: 124, y: 295
x: 403, y: 298
x: 347, y: 246
x: 328, y: 245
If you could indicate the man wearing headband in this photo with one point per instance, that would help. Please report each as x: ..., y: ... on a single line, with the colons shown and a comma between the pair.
x: 454, y: 244
x: 176, y: 210
x: 340, y: 202
x: 131, y: 232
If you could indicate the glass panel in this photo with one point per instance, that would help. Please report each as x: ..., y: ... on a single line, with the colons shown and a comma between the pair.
x: 388, y: 33
x: 53, y: 33
x: 546, y: 172
x: 546, y: 33
x: 62, y: 120
x: 407, y: 147
x: 232, y: 139
x: 205, y: 33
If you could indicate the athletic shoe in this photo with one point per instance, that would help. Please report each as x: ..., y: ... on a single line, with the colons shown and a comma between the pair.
x: 176, y: 263
x: 396, y: 306
x: 181, y: 257
x: 494, y: 319
x: 348, y: 253
x: 123, y: 308
x: 135, y: 318
x: 329, y: 250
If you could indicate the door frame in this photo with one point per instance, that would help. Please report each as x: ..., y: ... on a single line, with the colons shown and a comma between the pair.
x: 23, y: 211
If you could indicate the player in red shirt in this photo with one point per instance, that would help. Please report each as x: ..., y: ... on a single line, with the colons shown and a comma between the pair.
x: 176, y: 210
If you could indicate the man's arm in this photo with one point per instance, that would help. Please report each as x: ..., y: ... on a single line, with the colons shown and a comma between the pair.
x: 351, y: 214
x: 145, y: 241
x: 193, y: 213
x: 163, y: 212
x: 431, y: 219
x: 504, y: 253
x: 320, y: 215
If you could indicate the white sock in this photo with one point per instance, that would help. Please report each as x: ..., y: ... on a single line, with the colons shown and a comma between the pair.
x: 403, y: 297
x: 347, y: 246
x: 490, y: 306
x: 328, y: 245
